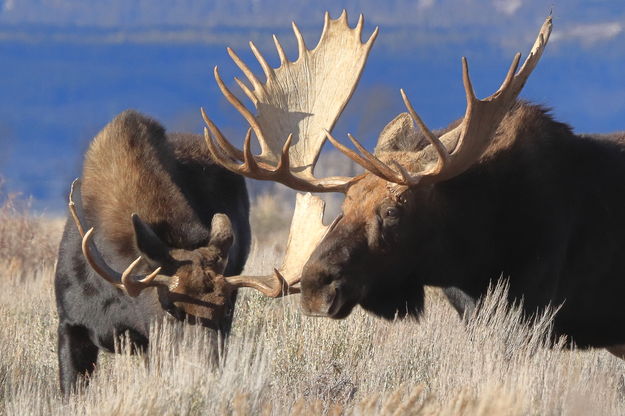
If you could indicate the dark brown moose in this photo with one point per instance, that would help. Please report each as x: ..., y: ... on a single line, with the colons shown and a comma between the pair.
x: 504, y: 191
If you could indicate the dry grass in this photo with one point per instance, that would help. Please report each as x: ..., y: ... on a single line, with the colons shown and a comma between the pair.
x: 27, y: 242
x: 278, y: 362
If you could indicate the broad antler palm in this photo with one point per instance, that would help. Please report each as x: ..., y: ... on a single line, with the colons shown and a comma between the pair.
x: 295, y: 106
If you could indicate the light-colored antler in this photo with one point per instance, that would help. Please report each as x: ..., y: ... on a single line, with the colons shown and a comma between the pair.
x: 131, y: 284
x: 295, y: 105
x: 306, y: 232
x: 460, y: 148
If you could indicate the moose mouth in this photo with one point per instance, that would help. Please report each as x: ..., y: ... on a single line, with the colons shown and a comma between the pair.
x: 340, y: 311
x: 339, y: 307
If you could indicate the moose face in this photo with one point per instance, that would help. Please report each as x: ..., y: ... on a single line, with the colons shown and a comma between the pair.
x: 362, y: 258
x: 197, y: 290
x: 201, y: 291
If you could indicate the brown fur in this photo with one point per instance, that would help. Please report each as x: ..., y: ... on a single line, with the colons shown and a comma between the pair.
x: 125, y: 157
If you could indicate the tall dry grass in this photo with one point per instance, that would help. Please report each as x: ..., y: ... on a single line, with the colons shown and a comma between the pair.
x: 27, y: 241
x: 279, y: 362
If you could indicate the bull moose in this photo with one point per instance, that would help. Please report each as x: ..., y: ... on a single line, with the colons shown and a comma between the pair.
x: 161, y: 210
x: 506, y: 191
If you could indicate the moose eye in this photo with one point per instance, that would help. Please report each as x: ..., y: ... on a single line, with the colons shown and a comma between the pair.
x: 391, y: 212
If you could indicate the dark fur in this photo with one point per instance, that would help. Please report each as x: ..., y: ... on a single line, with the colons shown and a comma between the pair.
x: 544, y: 207
x: 132, y: 166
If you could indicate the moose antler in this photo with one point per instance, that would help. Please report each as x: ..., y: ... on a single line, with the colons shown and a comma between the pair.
x: 458, y: 149
x: 297, y: 102
x: 306, y: 232
x: 131, y: 284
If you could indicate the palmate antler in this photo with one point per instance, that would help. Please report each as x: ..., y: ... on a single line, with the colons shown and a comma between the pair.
x: 460, y: 148
x: 298, y: 101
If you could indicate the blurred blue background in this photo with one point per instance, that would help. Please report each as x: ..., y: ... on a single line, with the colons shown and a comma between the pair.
x: 68, y: 66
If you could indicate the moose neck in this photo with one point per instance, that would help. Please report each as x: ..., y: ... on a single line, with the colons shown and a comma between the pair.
x: 455, y: 233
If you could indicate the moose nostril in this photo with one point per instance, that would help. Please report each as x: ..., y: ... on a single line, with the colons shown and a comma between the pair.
x: 333, y: 301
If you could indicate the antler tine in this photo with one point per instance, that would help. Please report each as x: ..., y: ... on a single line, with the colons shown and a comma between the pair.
x: 362, y: 161
x: 373, y: 37
x: 125, y: 278
x: 250, y: 166
x: 232, y: 151
x: 273, y: 285
x: 72, y: 207
x: 366, y: 159
x: 247, y: 91
x: 267, y: 69
x: 301, y: 45
x: 408, y: 178
x: 379, y: 165
x: 97, y: 263
x: 280, y: 49
x: 250, y: 162
x: 245, y: 69
x: 468, y: 85
x: 441, y: 151
x: 249, y: 117
x: 218, y: 155
x: 258, y: 170
x: 359, y: 25
x: 133, y: 285
x: 283, y: 164
x: 343, y: 16
x: 537, y: 48
x: 511, y: 71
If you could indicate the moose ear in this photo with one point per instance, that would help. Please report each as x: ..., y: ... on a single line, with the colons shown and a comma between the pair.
x: 222, y: 235
x: 400, y: 135
x: 148, y: 243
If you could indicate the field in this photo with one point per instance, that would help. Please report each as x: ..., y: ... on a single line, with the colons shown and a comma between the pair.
x: 279, y: 362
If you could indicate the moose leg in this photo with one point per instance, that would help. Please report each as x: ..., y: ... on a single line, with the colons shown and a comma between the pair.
x: 77, y: 356
x: 461, y: 301
x: 617, y: 350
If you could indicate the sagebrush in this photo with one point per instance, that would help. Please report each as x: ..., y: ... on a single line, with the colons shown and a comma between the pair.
x: 280, y: 362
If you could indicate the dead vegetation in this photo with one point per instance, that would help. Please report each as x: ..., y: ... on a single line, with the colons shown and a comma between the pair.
x: 28, y: 242
x: 279, y: 362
